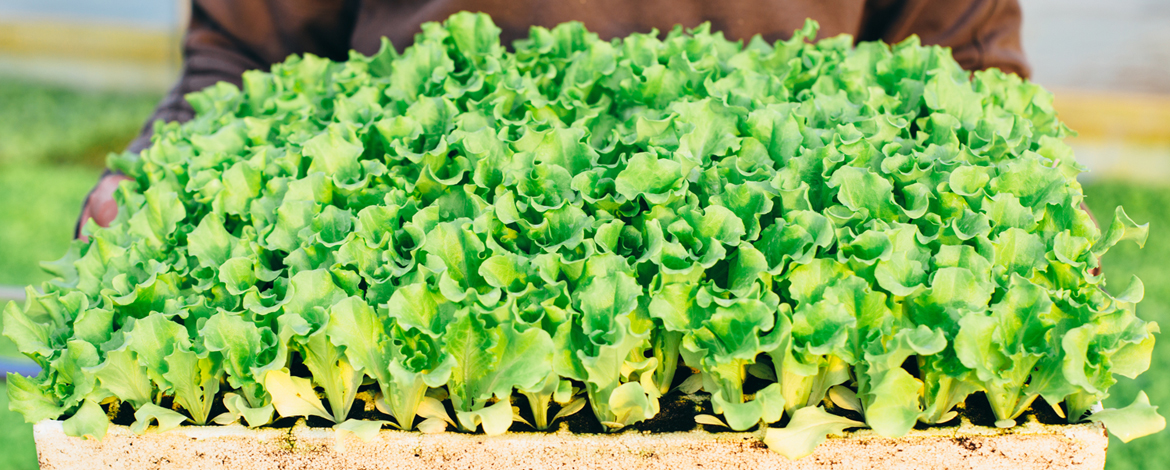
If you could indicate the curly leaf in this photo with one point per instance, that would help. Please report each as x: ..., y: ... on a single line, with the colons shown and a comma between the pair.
x: 1134, y: 421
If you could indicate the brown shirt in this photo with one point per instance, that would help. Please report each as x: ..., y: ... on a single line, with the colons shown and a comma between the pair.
x: 227, y: 37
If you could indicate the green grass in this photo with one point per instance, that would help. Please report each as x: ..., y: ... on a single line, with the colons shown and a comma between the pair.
x: 17, y: 439
x: 50, y: 125
x: 8, y: 349
x: 39, y: 206
x: 1143, y: 204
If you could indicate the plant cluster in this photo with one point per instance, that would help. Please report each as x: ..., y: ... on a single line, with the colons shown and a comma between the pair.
x: 865, y: 227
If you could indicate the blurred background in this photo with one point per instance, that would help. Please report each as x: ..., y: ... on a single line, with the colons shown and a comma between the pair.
x: 78, y: 78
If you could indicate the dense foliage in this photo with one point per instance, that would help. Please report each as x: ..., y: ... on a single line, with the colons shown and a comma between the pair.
x: 462, y: 225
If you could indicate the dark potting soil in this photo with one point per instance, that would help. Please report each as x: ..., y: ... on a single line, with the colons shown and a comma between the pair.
x: 676, y: 413
x: 123, y: 416
x: 583, y: 422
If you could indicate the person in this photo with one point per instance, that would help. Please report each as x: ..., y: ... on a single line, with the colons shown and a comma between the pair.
x: 227, y: 37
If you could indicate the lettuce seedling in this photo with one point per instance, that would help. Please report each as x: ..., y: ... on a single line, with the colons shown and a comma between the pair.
x: 812, y: 227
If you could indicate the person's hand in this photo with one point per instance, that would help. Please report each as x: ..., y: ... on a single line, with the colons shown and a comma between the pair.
x: 100, y: 205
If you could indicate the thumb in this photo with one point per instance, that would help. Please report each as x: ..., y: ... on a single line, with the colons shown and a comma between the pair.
x: 103, y: 206
x: 105, y: 210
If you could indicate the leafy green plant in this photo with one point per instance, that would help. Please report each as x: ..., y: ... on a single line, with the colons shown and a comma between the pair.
x: 459, y: 225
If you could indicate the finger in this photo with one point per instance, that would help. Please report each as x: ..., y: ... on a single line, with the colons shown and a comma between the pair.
x: 105, y: 212
x: 102, y: 204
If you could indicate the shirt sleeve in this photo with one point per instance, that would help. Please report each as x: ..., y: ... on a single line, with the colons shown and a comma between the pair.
x: 225, y: 38
x: 981, y: 33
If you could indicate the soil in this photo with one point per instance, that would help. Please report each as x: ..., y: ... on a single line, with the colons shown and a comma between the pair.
x: 676, y: 413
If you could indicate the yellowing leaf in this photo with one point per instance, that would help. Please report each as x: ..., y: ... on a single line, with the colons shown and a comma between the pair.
x: 293, y: 396
x: 808, y: 428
